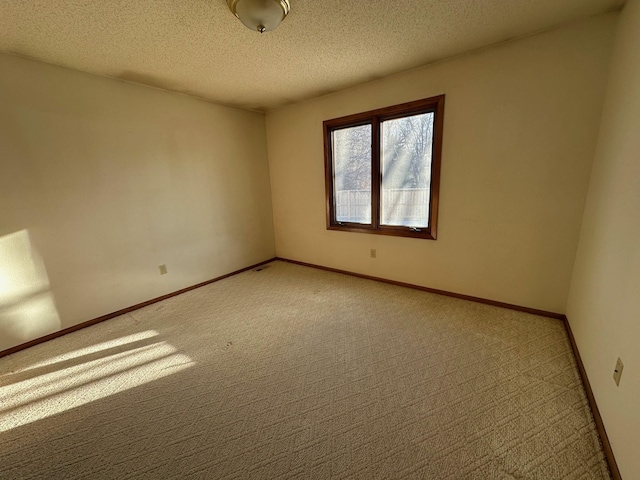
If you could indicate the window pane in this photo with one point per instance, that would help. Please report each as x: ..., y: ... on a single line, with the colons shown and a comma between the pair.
x: 406, y: 170
x: 352, y: 174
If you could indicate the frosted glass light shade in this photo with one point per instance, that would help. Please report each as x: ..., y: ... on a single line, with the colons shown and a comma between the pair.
x: 260, y: 15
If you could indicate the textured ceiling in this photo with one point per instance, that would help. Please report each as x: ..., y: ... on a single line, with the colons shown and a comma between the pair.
x: 199, y: 48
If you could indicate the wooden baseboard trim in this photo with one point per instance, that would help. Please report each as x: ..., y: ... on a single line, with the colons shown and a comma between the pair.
x: 486, y: 301
x: 604, y: 439
x: 108, y: 316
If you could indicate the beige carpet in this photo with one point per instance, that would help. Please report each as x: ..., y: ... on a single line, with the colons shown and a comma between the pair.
x: 292, y: 372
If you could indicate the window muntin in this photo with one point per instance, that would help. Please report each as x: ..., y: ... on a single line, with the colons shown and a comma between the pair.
x: 383, y: 169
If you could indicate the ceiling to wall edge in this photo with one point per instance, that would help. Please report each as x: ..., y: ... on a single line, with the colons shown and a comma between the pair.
x: 619, y: 5
x: 474, y: 51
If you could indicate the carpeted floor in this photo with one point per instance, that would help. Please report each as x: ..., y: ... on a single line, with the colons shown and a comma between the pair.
x: 293, y: 372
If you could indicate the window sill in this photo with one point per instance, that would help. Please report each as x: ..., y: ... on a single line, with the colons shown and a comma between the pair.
x: 424, y: 234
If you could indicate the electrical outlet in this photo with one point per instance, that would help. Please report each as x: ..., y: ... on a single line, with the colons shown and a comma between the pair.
x: 373, y: 253
x: 617, y: 373
x: 163, y: 269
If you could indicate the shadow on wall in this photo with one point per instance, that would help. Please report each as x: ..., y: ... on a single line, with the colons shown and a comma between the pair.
x: 27, y: 307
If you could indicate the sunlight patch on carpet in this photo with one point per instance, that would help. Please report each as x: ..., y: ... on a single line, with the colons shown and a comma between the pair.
x: 98, y: 347
x: 61, y: 389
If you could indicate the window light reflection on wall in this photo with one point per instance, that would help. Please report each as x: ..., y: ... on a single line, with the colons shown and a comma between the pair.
x: 27, y: 308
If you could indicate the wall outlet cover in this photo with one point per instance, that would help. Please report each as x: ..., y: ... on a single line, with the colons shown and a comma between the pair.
x: 617, y: 373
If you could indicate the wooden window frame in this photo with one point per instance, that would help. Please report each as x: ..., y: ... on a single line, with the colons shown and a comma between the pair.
x: 375, y: 118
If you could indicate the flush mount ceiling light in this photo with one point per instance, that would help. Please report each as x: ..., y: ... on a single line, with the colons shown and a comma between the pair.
x: 260, y: 15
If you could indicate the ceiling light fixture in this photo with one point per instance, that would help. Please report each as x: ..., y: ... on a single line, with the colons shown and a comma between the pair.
x: 260, y: 15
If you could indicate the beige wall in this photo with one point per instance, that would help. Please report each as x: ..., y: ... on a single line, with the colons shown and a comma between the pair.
x: 521, y: 122
x: 604, y: 302
x: 103, y: 181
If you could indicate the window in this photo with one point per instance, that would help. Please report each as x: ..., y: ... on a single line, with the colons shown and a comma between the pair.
x: 383, y: 170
